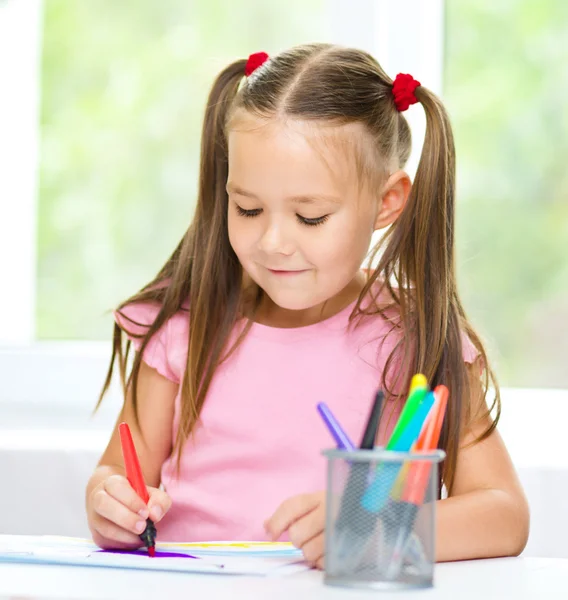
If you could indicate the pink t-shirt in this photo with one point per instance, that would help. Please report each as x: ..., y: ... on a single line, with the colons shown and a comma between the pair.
x: 260, y: 438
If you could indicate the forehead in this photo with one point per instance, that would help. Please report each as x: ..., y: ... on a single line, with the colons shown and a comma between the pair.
x: 292, y: 154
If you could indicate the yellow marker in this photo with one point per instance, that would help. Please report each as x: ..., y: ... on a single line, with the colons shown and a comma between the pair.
x: 417, y: 381
x: 398, y: 487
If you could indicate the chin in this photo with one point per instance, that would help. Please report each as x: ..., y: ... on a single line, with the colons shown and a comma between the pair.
x: 292, y: 301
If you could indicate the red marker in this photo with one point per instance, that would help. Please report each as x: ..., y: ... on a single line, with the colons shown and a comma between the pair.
x: 136, y: 480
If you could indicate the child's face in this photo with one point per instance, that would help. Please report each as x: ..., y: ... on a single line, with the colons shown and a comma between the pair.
x: 299, y: 221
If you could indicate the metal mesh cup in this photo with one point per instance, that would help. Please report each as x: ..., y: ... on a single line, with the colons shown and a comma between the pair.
x: 380, y: 523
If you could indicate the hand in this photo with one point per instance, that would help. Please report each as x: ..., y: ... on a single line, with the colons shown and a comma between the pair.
x: 117, y: 515
x: 304, y: 518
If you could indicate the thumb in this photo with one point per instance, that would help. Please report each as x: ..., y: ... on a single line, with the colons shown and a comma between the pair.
x: 158, y: 504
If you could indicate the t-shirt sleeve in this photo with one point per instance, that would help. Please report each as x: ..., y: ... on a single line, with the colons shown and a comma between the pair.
x: 135, y: 320
x: 470, y: 353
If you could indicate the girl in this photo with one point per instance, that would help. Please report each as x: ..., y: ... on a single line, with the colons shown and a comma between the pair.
x: 262, y: 311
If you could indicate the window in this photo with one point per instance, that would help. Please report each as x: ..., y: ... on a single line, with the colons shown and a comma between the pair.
x: 123, y: 92
x: 103, y: 116
x: 506, y: 89
x: 102, y: 186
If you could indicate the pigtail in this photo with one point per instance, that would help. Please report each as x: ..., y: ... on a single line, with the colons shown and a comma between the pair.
x: 417, y: 253
x: 203, y: 269
x: 430, y: 263
x: 215, y: 274
x: 419, y: 256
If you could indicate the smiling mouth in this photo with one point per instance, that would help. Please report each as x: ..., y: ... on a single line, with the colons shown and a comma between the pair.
x: 286, y: 271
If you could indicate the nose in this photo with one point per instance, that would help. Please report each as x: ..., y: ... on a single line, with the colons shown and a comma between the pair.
x: 275, y: 240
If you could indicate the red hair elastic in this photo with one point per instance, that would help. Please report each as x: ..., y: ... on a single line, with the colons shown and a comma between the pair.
x: 254, y: 61
x: 403, y: 91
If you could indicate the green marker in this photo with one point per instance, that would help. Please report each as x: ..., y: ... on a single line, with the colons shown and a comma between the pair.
x: 419, y: 389
x: 379, y: 489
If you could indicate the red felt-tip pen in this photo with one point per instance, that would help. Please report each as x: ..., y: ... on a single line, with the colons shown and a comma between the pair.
x: 136, y: 480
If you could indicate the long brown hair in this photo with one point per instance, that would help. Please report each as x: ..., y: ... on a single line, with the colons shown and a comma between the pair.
x: 416, y: 266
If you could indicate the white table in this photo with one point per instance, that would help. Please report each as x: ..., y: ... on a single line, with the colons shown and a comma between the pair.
x: 515, y: 578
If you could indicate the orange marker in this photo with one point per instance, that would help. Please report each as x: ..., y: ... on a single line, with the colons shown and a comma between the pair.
x: 418, y: 478
x: 419, y: 472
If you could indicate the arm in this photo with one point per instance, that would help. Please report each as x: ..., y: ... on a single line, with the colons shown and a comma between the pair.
x: 487, y: 514
x: 114, y: 510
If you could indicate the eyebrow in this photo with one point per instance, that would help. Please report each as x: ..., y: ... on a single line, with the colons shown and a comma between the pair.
x: 300, y: 199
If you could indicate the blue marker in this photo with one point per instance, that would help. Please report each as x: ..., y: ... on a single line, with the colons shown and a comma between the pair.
x: 379, y: 490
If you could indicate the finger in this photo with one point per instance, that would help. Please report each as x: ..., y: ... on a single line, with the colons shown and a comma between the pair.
x: 290, y: 511
x: 109, y: 535
x: 119, y: 488
x: 111, y: 509
x: 307, y: 527
x: 314, y: 549
x: 159, y: 504
x: 320, y: 564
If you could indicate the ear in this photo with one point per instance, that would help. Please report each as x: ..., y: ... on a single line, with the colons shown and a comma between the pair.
x: 393, y: 199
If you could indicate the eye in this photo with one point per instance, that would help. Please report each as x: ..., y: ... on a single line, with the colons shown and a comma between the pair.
x: 313, y: 222
x: 248, y: 213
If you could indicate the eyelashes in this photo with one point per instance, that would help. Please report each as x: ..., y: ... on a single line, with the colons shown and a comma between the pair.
x: 248, y: 213
x: 313, y: 222
x: 303, y: 220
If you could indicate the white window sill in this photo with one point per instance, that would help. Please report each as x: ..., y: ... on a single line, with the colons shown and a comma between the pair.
x: 55, y: 385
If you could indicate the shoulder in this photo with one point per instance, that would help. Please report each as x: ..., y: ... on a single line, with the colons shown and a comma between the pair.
x: 166, y: 350
x: 380, y: 316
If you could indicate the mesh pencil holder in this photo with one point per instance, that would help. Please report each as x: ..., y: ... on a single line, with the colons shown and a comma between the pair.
x: 380, y: 523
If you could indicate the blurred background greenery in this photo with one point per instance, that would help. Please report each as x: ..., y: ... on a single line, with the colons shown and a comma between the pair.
x: 124, y: 86
x: 506, y: 87
x: 123, y: 90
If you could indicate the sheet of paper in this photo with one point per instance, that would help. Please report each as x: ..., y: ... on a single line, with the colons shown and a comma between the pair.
x: 230, y: 558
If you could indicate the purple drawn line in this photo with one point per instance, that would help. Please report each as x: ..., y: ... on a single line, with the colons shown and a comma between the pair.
x: 159, y: 553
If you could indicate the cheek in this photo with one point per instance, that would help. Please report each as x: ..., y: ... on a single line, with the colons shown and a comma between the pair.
x: 346, y: 241
x: 239, y: 236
